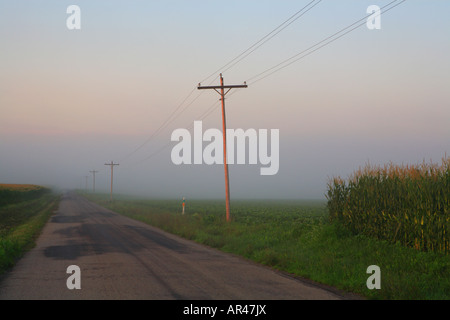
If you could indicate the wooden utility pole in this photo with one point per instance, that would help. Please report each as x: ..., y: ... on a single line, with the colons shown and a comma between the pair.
x: 112, y: 164
x: 93, y: 185
x: 222, y: 94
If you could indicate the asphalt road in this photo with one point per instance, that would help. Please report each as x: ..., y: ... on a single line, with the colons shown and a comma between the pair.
x: 120, y: 258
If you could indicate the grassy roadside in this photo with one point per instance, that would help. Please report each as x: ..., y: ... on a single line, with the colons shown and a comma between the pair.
x: 20, y: 225
x: 297, y: 237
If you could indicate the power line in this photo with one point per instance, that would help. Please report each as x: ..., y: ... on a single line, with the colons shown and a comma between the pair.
x: 203, y: 116
x: 263, y: 40
x: 161, y: 126
x: 246, y: 55
x: 228, y: 66
x: 172, y: 117
x: 212, y: 107
x: 208, y: 111
x: 266, y: 73
x: 260, y: 76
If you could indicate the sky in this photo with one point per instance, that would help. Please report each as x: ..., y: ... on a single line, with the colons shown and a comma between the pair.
x: 72, y: 100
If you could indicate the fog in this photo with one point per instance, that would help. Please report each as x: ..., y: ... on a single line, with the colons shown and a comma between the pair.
x: 305, y: 166
x: 73, y: 100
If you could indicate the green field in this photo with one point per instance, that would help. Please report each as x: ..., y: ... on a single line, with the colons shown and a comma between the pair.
x: 297, y: 237
x: 24, y: 210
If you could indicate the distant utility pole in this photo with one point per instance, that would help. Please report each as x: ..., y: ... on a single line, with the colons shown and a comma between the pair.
x: 93, y: 186
x: 222, y: 94
x: 112, y: 164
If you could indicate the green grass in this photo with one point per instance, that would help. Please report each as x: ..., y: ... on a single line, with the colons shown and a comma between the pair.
x: 297, y: 237
x: 21, y: 223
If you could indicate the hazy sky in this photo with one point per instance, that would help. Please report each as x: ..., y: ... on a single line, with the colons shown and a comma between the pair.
x: 71, y: 100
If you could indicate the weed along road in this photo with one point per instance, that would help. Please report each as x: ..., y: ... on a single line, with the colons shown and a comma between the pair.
x: 109, y: 256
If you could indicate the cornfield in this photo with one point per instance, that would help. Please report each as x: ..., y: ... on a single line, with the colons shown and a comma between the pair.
x: 407, y: 204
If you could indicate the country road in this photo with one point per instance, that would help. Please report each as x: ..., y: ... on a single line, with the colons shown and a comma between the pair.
x: 120, y: 258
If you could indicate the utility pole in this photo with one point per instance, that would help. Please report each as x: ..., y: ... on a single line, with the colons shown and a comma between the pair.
x: 222, y: 94
x: 112, y: 164
x: 93, y: 186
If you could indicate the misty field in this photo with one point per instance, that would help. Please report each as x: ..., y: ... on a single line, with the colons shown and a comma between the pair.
x: 297, y: 237
x: 24, y: 210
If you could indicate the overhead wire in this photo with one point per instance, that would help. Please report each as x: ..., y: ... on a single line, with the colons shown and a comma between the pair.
x: 227, y: 67
x: 317, y: 44
x: 160, y: 127
x: 254, y: 49
x: 266, y: 73
x: 285, y: 63
x: 203, y: 116
x: 172, y: 117
x: 263, y: 40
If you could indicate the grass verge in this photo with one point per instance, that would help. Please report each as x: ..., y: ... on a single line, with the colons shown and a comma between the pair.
x: 20, y: 224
